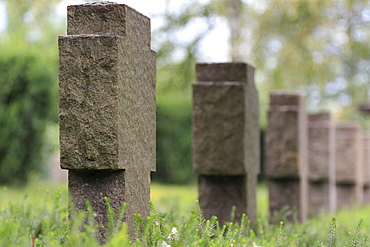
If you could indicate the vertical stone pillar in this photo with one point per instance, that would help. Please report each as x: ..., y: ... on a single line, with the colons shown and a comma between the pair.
x: 366, y: 166
x: 226, y: 139
x: 107, y: 109
x: 286, y: 154
x: 321, y: 151
x: 348, y: 165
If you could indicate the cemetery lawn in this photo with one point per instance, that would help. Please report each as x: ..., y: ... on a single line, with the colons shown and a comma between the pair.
x: 38, y: 216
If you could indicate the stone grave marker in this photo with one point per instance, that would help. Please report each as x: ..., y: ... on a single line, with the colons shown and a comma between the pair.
x: 226, y: 139
x: 286, y: 154
x: 107, y: 109
x: 348, y: 165
x: 321, y: 163
x: 366, y: 166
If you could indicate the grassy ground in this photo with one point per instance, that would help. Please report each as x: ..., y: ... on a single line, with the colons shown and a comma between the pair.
x: 39, y: 211
x: 164, y: 197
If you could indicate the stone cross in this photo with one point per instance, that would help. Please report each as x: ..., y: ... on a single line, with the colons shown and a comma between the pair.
x: 348, y: 165
x: 226, y: 139
x: 107, y: 109
x: 286, y: 154
x: 321, y: 163
x: 366, y: 166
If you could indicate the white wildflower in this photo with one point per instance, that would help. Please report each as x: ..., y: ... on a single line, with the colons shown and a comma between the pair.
x: 174, y: 235
x: 164, y: 244
x: 255, y: 245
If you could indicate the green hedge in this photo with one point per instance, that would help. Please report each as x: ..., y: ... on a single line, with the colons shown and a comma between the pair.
x: 174, y: 159
x: 28, y: 101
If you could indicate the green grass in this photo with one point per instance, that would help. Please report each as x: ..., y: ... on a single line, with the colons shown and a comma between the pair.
x: 40, y: 211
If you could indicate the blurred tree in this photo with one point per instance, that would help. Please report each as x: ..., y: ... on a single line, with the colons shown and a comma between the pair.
x: 177, y: 43
x: 174, y: 163
x: 27, y: 101
x: 28, y: 87
x: 32, y: 21
x: 318, y: 47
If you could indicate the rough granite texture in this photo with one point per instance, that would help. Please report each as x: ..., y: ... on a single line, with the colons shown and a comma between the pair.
x: 282, y: 144
x: 93, y: 186
x: 286, y: 153
x: 107, y: 91
x: 346, y: 196
x: 349, y: 168
x: 286, y: 137
x: 321, y: 162
x: 319, y: 153
x: 119, y: 186
x: 88, y: 104
x: 348, y: 153
x: 224, y: 72
x: 225, y: 121
x: 320, y: 146
x: 366, y: 195
x: 283, y: 195
x: 108, y: 18
x: 107, y: 109
x: 282, y: 98
x: 319, y: 198
x: 218, y: 114
x: 225, y: 125
x: 218, y: 195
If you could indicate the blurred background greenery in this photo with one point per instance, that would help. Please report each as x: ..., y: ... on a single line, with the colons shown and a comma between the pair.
x: 317, y: 47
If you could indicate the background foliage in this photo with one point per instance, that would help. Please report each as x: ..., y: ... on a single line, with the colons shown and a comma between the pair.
x: 27, y: 103
x: 174, y: 164
x: 28, y: 89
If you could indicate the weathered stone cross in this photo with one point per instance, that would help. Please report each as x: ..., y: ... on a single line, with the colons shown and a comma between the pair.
x: 107, y: 109
x: 226, y: 139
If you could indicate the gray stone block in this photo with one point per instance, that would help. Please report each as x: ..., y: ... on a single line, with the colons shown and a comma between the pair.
x: 320, y: 146
x: 224, y: 72
x: 366, y: 160
x: 348, y: 158
x: 109, y: 18
x: 366, y: 166
x: 226, y: 130
x: 366, y: 194
x: 284, y: 195
x: 346, y: 196
x: 286, y: 153
x: 321, y: 162
x: 218, y: 139
x: 225, y: 123
x: 107, y: 100
x: 286, y: 137
x: 219, y: 194
x: 107, y: 110
x: 348, y: 164
x: 319, y: 198
x: 284, y: 99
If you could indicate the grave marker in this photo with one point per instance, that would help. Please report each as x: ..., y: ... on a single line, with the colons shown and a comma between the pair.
x: 286, y: 154
x: 348, y: 165
x: 366, y: 166
x: 321, y: 151
x: 226, y: 139
x: 107, y: 109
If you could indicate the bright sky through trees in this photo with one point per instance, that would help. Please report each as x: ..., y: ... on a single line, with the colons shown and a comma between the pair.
x: 2, y: 17
x: 211, y: 51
